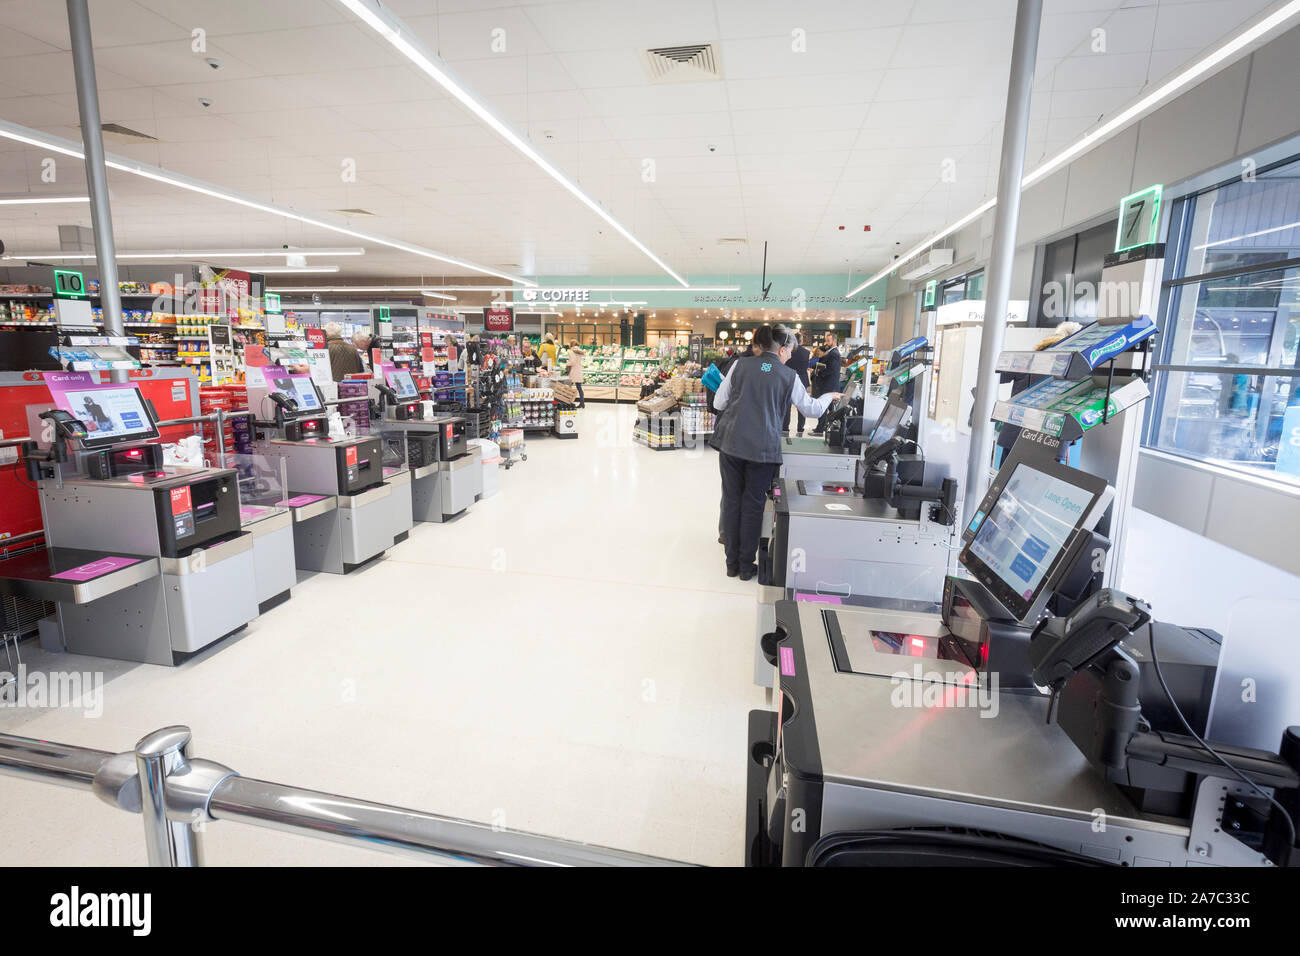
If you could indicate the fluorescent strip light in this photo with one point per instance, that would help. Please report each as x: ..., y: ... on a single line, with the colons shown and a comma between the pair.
x: 916, y: 250
x: 1143, y: 107
x: 40, y: 200
x: 593, y: 288
x: 293, y: 270
x: 404, y: 40
x: 307, y: 289
x: 31, y: 137
x: 479, y: 309
x: 195, y: 254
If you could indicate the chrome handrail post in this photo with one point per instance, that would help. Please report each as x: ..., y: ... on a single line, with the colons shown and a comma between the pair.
x: 157, y: 756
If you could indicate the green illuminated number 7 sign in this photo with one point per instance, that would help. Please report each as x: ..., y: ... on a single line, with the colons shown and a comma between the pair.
x: 1139, y: 219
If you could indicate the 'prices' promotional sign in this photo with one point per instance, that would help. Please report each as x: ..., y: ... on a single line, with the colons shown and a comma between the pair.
x: 498, y: 319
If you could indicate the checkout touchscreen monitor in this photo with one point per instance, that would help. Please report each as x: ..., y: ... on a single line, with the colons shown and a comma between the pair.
x: 298, y: 387
x: 888, y: 424
x: 1026, y: 541
x: 110, y: 414
x: 400, y: 381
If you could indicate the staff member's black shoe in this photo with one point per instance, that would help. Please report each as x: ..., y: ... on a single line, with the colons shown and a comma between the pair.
x: 749, y: 573
x: 732, y: 570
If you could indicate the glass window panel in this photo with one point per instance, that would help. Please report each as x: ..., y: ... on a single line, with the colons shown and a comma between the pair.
x: 1246, y: 222
x: 1247, y: 421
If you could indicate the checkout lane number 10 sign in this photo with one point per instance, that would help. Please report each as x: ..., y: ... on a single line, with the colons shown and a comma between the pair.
x: 69, y: 284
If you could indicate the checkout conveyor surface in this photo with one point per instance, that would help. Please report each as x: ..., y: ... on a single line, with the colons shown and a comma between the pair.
x: 74, y: 575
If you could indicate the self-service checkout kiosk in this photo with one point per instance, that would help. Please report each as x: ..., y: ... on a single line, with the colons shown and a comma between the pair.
x: 889, y: 532
x: 833, y: 456
x: 342, y: 516
x: 903, y: 739
x: 905, y: 736
x: 442, y: 467
x: 146, y: 561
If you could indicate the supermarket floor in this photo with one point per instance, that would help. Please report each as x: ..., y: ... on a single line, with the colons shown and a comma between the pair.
x: 569, y: 658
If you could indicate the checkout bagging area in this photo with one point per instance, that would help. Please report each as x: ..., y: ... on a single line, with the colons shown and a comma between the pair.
x: 152, y: 556
x: 980, y: 690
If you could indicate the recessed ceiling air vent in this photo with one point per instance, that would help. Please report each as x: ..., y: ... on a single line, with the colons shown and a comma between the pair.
x: 117, y: 132
x: 355, y: 212
x: 689, y: 63
x: 733, y: 242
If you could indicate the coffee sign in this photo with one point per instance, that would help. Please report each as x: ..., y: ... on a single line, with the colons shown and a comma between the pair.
x: 557, y: 295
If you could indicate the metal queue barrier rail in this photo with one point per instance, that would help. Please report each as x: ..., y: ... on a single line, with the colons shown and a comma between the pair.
x: 176, y: 793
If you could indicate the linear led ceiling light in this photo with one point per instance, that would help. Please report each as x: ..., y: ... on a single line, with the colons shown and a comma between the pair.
x: 29, y: 199
x: 306, y: 289
x: 187, y: 254
x: 405, y: 41
x: 594, y: 288
x: 293, y: 270
x: 57, y: 144
x: 1135, y: 111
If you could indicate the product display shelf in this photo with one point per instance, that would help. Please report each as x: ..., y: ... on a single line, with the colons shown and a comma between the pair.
x: 695, y: 416
x: 659, y: 431
x: 530, y: 409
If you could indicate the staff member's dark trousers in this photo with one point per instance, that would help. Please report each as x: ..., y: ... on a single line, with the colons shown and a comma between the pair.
x: 821, y: 422
x: 802, y: 420
x: 744, y: 491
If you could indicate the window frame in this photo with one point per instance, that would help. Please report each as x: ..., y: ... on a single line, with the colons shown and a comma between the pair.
x: 1178, y: 233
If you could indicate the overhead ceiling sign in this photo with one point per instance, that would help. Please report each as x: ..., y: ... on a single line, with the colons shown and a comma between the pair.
x: 557, y: 295
x: 498, y: 319
x: 1139, y: 219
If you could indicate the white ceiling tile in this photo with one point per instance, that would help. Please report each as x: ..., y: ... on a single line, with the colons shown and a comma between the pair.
x: 787, y: 146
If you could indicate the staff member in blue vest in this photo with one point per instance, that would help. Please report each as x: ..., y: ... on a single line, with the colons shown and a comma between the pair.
x: 754, y: 398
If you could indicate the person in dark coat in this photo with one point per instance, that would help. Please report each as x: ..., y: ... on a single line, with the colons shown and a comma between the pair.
x: 800, y: 359
x: 344, y: 359
x: 826, y: 374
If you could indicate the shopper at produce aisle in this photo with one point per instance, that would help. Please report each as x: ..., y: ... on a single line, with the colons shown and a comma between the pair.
x: 344, y: 359
x: 548, y: 352
x: 575, y: 372
x: 799, y: 359
x: 827, y: 373
x: 754, y: 396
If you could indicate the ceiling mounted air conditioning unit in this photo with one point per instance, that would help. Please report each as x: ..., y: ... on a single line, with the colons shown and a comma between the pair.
x: 925, y: 264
